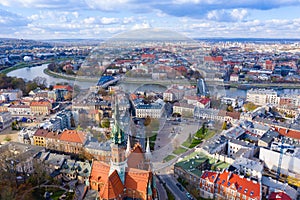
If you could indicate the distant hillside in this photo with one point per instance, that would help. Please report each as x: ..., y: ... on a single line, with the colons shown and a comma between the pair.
x: 15, y: 44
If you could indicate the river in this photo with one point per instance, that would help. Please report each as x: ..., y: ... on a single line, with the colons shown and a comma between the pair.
x: 29, y: 73
x: 33, y: 72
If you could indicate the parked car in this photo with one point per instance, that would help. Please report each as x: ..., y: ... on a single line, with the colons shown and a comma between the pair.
x: 180, y: 186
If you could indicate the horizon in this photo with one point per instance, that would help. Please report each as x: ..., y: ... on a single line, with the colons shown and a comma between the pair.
x: 40, y: 19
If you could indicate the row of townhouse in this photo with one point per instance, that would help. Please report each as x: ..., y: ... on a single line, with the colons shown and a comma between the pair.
x: 228, y: 185
x: 28, y: 109
x: 72, y: 141
x: 285, y: 103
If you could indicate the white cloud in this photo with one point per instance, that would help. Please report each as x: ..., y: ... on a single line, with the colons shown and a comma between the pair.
x: 44, y: 3
x: 109, y: 20
x: 227, y: 15
x: 89, y: 20
x: 142, y: 25
x: 128, y: 20
x: 107, y: 5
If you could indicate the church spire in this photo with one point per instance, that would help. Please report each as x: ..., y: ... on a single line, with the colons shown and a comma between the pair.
x: 148, y: 151
x: 128, y: 149
x: 117, y: 133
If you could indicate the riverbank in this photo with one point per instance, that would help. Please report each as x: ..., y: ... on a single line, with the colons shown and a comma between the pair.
x: 69, y: 77
x: 22, y: 65
x: 247, y: 86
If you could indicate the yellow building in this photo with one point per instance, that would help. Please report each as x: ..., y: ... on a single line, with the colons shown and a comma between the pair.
x: 39, y: 137
x: 40, y: 107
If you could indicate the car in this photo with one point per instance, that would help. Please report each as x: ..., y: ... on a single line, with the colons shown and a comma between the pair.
x: 189, y: 196
x: 180, y: 186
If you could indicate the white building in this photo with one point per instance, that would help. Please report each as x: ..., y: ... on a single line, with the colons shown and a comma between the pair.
x: 153, y: 110
x: 19, y: 110
x: 239, y: 148
x: 263, y: 96
x: 290, y: 164
x: 249, y: 167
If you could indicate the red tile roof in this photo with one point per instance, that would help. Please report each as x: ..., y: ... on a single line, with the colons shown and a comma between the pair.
x: 209, y: 176
x: 144, y: 56
x: 241, y: 185
x: 99, y: 171
x: 41, y: 133
x: 290, y: 133
x: 136, y: 157
x: 204, y: 101
x: 113, y: 188
x: 213, y: 59
x: 40, y: 103
x: 53, y: 135
x: 62, y: 87
x: 137, y: 180
x: 73, y: 136
x: 279, y: 196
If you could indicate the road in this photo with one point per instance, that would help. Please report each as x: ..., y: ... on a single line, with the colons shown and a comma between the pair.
x: 170, y: 182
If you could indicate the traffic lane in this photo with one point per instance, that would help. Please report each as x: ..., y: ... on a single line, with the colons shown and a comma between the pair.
x: 171, y: 184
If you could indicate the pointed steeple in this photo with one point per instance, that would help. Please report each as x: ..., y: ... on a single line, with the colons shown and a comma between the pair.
x: 117, y: 134
x: 128, y: 149
x: 148, y: 151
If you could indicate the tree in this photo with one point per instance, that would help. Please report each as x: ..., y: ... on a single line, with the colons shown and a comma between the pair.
x: 105, y: 123
x: 250, y: 106
x: 68, y: 96
x: 40, y: 81
x: 224, y: 126
x: 147, y: 121
x: 190, y: 137
x: 229, y: 108
x: 103, y: 92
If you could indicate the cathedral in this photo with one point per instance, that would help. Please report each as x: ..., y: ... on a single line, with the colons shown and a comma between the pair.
x: 129, y: 174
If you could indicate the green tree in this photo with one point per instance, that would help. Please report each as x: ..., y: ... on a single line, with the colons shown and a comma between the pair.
x: 105, y: 123
x: 224, y: 126
x: 229, y: 108
x: 250, y: 106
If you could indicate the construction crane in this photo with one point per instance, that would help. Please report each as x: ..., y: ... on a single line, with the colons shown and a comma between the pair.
x: 282, y: 146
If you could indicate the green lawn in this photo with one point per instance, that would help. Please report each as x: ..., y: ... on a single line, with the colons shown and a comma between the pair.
x: 57, y: 194
x: 179, y: 150
x: 186, y: 143
x: 169, y: 157
x: 194, y: 143
x: 152, y: 140
x: 209, y: 134
x: 198, y: 137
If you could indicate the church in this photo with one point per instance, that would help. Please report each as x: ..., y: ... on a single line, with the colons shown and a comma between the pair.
x: 129, y: 174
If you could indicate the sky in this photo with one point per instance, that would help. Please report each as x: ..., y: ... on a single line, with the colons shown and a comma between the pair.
x: 102, y: 19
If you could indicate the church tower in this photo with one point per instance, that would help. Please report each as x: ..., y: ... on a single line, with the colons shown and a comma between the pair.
x: 118, y: 148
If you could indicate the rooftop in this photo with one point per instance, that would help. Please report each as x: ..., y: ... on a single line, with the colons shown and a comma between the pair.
x: 242, y: 185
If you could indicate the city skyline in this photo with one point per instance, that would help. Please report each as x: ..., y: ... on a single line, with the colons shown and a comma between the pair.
x: 91, y: 19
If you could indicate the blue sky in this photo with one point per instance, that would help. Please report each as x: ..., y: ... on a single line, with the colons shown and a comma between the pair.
x: 100, y: 19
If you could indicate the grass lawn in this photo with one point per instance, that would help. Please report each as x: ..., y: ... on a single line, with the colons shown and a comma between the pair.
x: 169, y: 157
x: 209, y: 134
x: 179, y: 150
x: 194, y: 143
x: 186, y: 143
x: 152, y: 140
x: 57, y: 194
